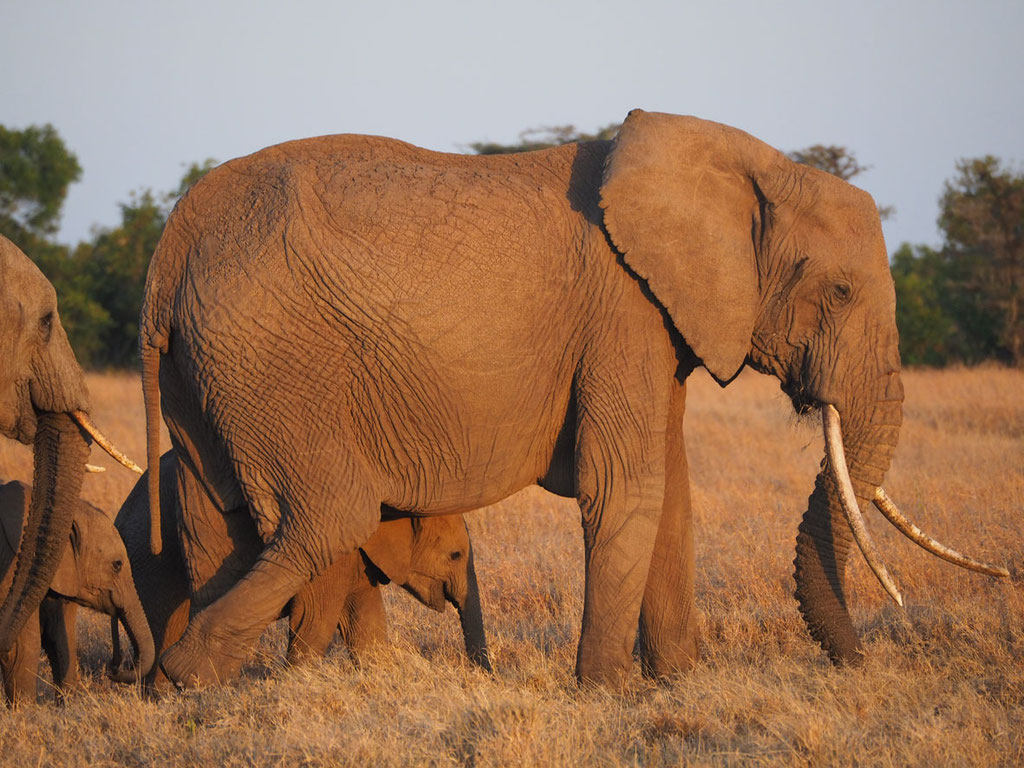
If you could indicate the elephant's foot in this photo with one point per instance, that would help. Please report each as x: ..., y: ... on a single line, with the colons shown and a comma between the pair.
x: 602, y: 668
x: 665, y: 659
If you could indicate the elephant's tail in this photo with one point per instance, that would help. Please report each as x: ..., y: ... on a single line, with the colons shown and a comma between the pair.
x: 151, y: 396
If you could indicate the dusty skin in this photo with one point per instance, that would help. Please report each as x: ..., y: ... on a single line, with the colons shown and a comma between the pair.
x: 943, y: 683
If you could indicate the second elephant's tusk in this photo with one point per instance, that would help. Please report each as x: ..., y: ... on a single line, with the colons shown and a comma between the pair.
x: 94, y: 469
x: 83, y: 420
x: 892, y: 513
x: 841, y: 474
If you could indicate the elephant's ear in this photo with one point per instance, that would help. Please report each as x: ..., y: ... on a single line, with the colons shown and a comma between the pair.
x: 682, y: 205
x: 67, y: 581
x: 390, y: 549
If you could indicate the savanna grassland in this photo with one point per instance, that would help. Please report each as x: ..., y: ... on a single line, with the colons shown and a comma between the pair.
x: 944, y: 683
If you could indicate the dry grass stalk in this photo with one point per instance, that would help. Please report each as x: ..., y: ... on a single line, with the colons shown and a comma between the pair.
x: 944, y: 684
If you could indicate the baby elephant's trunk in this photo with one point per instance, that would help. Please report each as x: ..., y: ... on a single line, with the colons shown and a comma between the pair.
x: 133, y: 617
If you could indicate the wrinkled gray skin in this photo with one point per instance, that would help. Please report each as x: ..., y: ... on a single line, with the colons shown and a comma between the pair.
x: 431, y: 558
x: 438, y: 331
x: 40, y: 385
x: 94, y: 572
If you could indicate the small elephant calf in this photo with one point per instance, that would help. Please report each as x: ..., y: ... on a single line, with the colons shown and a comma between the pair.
x: 94, y: 571
x: 431, y: 558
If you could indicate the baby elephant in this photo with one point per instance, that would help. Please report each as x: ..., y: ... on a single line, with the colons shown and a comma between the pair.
x: 93, y: 572
x: 430, y: 557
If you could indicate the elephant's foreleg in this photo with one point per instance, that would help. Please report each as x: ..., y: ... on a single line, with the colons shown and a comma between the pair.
x: 620, y: 489
x: 57, y: 620
x: 669, y: 637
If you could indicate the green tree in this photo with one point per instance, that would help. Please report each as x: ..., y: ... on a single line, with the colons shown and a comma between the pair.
x: 36, y: 169
x: 929, y: 334
x: 982, y: 220
x: 112, y: 272
x: 839, y: 161
x: 542, y: 138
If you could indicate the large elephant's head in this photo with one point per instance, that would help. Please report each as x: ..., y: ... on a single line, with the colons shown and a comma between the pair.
x: 432, y: 559
x: 43, y: 401
x: 763, y: 261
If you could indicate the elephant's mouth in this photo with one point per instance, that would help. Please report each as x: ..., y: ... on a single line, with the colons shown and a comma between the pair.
x: 428, y: 591
x: 800, y: 391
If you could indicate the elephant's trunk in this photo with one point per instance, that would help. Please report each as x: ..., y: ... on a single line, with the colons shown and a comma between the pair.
x: 824, y: 537
x: 133, y: 617
x: 60, y: 454
x: 471, y: 618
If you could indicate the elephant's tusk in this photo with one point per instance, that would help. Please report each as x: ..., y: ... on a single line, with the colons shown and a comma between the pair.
x: 892, y: 513
x: 94, y: 469
x: 841, y: 474
x: 83, y: 420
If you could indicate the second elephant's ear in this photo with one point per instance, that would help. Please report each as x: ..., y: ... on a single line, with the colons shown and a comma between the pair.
x: 67, y: 581
x: 390, y: 549
x: 682, y: 204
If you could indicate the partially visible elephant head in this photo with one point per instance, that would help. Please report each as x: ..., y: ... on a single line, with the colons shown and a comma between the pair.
x: 764, y: 261
x: 432, y: 559
x: 44, y: 401
x: 41, y: 385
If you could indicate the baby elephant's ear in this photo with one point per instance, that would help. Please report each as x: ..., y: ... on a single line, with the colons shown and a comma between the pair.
x: 682, y: 205
x: 390, y: 549
x: 67, y: 582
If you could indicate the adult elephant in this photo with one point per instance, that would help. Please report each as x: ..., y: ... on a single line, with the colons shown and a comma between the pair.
x: 43, y: 402
x: 346, y: 322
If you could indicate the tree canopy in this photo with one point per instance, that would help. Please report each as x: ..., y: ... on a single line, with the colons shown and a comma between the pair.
x: 100, y: 281
x: 36, y: 170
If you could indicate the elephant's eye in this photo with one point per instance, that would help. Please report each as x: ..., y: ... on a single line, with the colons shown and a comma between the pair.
x: 118, y: 565
x: 842, y: 292
x: 46, y: 326
x: 456, y: 555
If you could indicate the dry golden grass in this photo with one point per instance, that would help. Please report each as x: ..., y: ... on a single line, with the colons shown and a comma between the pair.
x: 944, y: 684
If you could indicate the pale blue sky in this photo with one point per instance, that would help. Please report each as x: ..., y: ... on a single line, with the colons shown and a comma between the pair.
x: 139, y: 89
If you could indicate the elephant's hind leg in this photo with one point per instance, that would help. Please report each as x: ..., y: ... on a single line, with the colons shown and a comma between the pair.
x: 669, y: 640
x: 219, y: 637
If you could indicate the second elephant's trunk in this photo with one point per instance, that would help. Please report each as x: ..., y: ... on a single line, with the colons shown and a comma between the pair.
x: 824, y: 538
x: 472, y: 620
x: 60, y: 454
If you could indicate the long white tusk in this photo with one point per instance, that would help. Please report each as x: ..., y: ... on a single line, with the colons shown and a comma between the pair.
x: 892, y: 513
x: 841, y: 474
x: 93, y: 468
x: 86, y: 423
